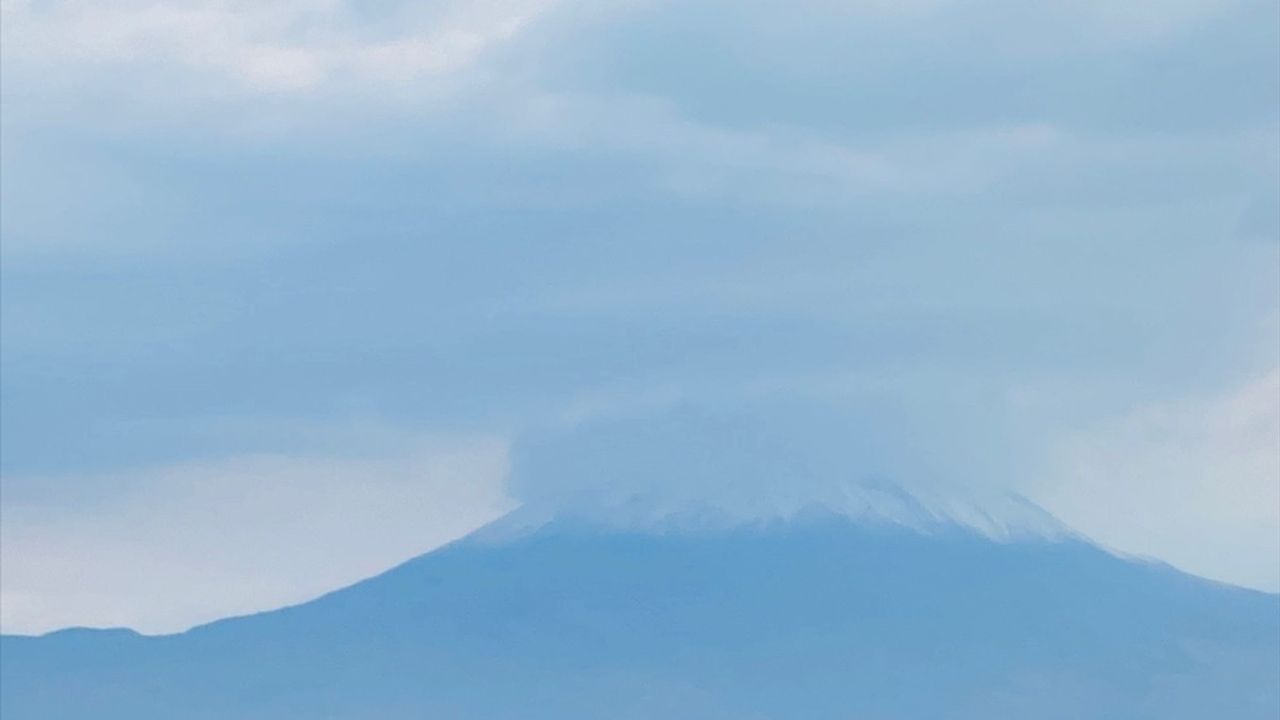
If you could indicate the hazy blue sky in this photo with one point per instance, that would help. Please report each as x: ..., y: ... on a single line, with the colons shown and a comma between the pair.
x: 301, y: 274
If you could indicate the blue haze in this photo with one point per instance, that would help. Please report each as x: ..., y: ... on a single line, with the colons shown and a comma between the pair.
x: 820, y: 619
x: 780, y: 307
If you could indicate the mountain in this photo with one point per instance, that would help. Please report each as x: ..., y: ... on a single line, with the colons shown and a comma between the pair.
x: 817, y: 617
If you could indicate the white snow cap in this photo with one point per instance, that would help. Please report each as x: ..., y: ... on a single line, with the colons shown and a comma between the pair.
x: 689, y: 468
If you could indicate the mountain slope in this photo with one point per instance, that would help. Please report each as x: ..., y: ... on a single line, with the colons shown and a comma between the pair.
x: 817, y: 619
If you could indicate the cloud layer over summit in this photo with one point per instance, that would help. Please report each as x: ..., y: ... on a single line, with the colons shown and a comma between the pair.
x: 1030, y: 247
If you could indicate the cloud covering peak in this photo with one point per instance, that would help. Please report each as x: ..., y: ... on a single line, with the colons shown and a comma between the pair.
x: 695, y: 468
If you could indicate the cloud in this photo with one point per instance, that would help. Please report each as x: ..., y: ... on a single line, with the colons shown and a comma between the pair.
x: 481, y: 216
x: 282, y: 47
x: 1195, y: 483
x: 703, y: 466
x: 996, y: 109
x: 162, y: 549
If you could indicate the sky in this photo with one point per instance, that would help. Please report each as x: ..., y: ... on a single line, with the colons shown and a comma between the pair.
x: 294, y: 290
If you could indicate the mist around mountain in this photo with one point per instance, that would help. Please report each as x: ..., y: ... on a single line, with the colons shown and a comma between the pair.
x: 779, y: 310
x: 819, y: 616
x: 690, y: 564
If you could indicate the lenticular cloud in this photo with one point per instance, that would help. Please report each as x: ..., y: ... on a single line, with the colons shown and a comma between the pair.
x: 690, y: 467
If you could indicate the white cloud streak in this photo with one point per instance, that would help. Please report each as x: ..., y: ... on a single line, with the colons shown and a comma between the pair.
x: 273, y: 47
